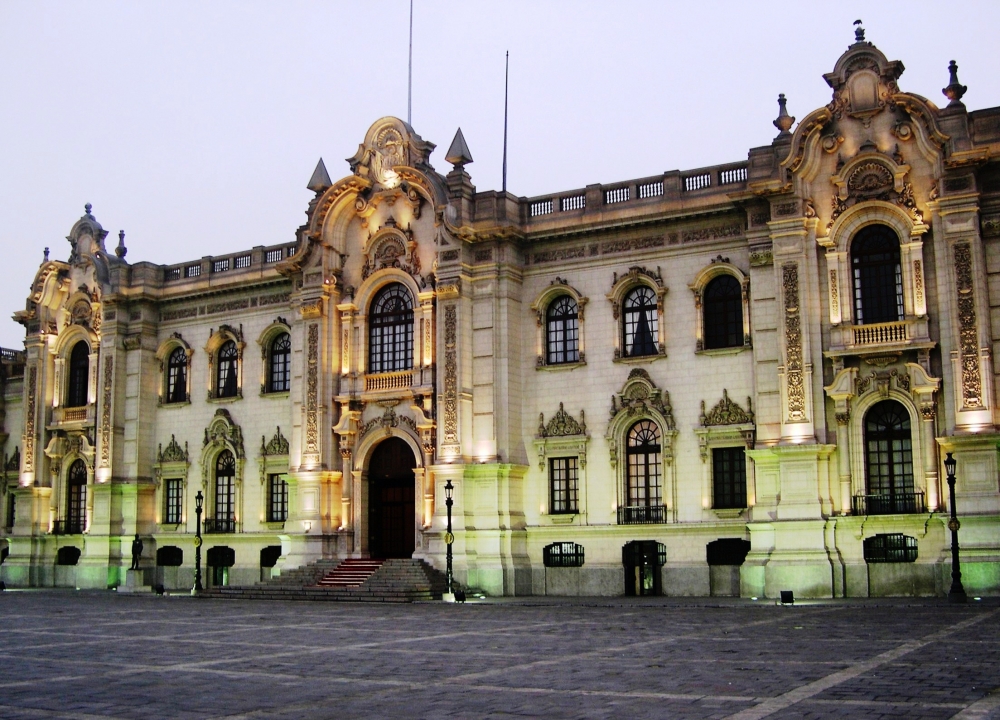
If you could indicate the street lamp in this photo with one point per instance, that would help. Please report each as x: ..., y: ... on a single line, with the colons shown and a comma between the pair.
x: 449, y: 538
x: 199, y: 500
x: 957, y: 592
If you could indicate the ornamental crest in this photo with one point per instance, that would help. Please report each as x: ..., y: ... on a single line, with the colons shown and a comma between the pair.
x: 173, y: 452
x: 392, y: 248
x: 389, y: 151
x: 223, y: 431
x: 726, y: 412
x: 278, y: 445
x: 561, y: 424
x: 639, y: 396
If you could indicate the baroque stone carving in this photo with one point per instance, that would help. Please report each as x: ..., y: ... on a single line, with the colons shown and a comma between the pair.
x: 882, y: 381
x: 29, y: 421
x: 561, y: 424
x: 312, y: 389
x: 968, y: 334
x: 639, y: 395
x: 391, y: 247
x: 761, y: 256
x: 450, y: 376
x: 106, y: 412
x: 726, y: 412
x: 795, y: 391
x: 223, y: 431
x: 278, y: 445
x: 918, y: 281
x: 173, y: 453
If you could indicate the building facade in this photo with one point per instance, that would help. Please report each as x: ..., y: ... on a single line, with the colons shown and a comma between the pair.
x: 739, y: 379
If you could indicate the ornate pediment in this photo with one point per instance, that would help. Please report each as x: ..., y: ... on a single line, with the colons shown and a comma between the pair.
x: 223, y: 431
x: 561, y: 424
x: 173, y: 452
x: 873, y: 175
x: 726, y: 412
x: 278, y: 445
x: 389, y: 146
x: 639, y: 396
x: 392, y: 247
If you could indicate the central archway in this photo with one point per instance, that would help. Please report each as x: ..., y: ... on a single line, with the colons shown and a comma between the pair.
x: 391, y: 509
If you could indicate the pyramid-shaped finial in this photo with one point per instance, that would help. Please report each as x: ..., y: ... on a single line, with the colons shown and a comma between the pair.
x: 320, y: 179
x: 955, y: 89
x: 784, y: 121
x: 458, y: 154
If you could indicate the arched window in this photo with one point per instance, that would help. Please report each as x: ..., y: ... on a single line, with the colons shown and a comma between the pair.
x: 225, y: 492
x: 889, y: 461
x: 177, y: 376
x: 280, y: 367
x: 79, y: 371
x: 640, y: 320
x: 642, y: 447
x: 562, y: 337
x: 723, y: 308
x: 76, y: 498
x: 878, y: 276
x: 226, y: 370
x: 390, y: 330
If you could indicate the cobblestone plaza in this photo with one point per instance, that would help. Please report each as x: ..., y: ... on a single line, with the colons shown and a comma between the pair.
x: 99, y: 655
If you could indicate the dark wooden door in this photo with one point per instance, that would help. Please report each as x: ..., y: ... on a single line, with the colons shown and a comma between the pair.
x: 391, y: 505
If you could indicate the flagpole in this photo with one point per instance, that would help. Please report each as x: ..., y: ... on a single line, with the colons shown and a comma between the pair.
x: 409, y: 82
x: 506, y: 75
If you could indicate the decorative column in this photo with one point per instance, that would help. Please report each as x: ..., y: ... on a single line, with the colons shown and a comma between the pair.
x: 844, y: 461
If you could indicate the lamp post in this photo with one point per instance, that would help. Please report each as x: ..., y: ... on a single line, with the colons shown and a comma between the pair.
x: 449, y: 538
x: 957, y: 592
x: 199, y: 500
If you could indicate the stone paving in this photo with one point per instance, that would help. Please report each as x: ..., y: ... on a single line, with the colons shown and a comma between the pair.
x: 102, y: 655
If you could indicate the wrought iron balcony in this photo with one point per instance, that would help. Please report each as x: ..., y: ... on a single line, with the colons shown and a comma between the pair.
x: 225, y: 525
x: 68, y: 527
x: 893, y: 504
x: 641, y: 515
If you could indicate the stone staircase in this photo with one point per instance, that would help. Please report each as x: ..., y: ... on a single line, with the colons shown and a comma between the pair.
x: 395, y: 581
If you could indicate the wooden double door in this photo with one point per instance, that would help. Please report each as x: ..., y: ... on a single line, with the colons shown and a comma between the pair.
x: 391, y: 500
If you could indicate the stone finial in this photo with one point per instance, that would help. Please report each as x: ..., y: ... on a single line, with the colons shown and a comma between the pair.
x: 859, y: 32
x: 955, y: 89
x: 46, y: 254
x: 87, y: 208
x: 320, y: 179
x: 458, y: 153
x: 784, y: 121
x: 121, y: 250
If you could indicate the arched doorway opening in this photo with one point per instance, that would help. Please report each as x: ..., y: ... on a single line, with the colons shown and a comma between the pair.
x: 391, y: 509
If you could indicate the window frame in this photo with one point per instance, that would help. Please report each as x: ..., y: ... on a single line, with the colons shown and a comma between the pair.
x: 553, y: 293
x: 277, y: 502
x: 699, y: 287
x: 384, y: 350
x: 562, y: 332
x: 649, y: 455
x: 218, y: 343
x: 632, y: 320
x: 874, y: 290
x: 77, y: 477
x: 78, y: 375
x: 725, y: 485
x: 564, y: 470
x: 563, y: 437
x: 622, y: 289
x: 173, y: 502
x: 274, y: 353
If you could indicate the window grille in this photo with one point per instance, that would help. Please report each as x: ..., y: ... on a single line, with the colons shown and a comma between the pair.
x: 562, y: 331
x: 616, y: 195
x: 279, y: 379
x: 697, y: 182
x: 172, y: 274
x: 292, y: 250
x: 640, y: 322
x: 273, y: 256
x: 542, y: 207
x: 174, y: 510
x: 878, y: 276
x: 723, y: 313
x: 242, y: 262
x: 277, y: 492
x: 177, y: 376
x: 220, y: 265
x: 564, y: 484
x: 192, y: 271
x: 563, y: 554
x: 390, y: 330
x: 729, y: 478
x: 652, y: 189
x: 574, y: 202
x: 890, y: 548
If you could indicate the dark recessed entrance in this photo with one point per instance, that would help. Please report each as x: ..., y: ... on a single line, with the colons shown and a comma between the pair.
x: 391, y: 506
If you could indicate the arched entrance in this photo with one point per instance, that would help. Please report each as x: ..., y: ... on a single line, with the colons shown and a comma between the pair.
x: 391, y: 508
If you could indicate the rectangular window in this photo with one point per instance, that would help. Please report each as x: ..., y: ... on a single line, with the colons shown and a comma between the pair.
x: 174, y: 501
x: 563, y: 479
x: 277, y: 503
x: 729, y: 477
x: 225, y: 501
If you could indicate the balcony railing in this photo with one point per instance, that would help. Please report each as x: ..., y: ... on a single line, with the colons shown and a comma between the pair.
x: 880, y: 333
x: 894, y: 504
x: 68, y: 527
x: 641, y: 514
x: 227, y: 525
x: 389, y: 381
